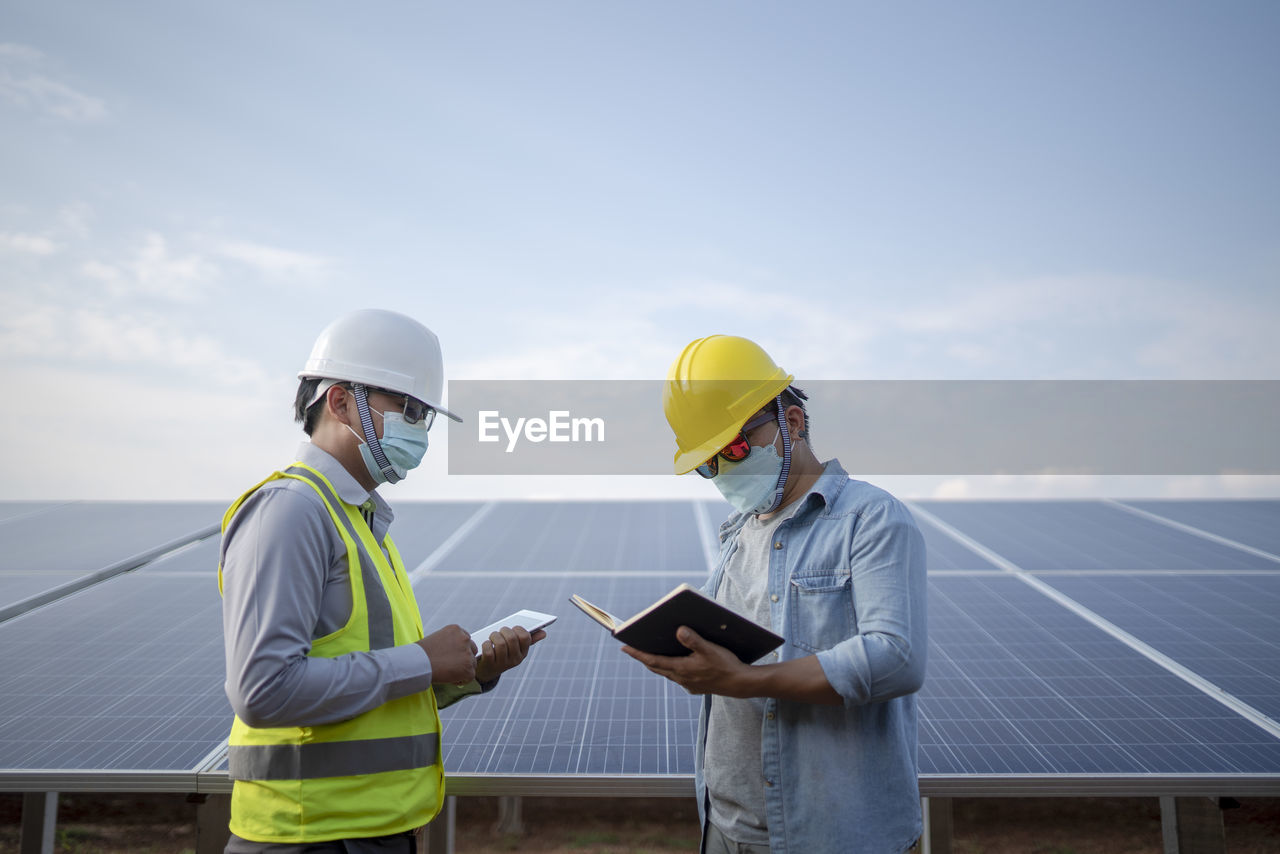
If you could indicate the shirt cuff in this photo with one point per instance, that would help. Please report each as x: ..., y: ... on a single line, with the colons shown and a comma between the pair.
x: 410, y: 667
x: 843, y: 676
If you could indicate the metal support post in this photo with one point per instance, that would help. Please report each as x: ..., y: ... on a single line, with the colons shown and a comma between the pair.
x: 440, y: 832
x: 39, y: 822
x: 509, y: 821
x: 1192, y: 826
x: 937, y: 826
x: 213, y: 814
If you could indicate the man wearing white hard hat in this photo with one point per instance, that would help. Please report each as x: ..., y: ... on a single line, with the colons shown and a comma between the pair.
x: 335, y: 746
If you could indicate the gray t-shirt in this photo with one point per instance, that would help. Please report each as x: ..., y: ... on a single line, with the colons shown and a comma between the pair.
x: 735, y: 779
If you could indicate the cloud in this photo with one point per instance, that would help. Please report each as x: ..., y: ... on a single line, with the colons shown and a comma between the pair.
x: 1050, y: 486
x: 19, y: 54
x: 1051, y: 327
x: 23, y: 84
x: 274, y: 262
x: 615, y: 340
x: 953, y: 488
x: 636, y: 334
x: 1098, y: 326
x: 28, y: 244
x: 75, y: 218
x: 102, y: 340
x: 154, y: 271
x: 1226, y: 485
x: 151, y: 439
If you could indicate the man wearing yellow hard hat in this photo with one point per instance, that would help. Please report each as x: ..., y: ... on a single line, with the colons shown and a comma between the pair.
x: 814, y: 749
x: 335, y: 746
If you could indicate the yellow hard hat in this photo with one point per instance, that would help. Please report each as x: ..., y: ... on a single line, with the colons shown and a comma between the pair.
x: 713, y: 387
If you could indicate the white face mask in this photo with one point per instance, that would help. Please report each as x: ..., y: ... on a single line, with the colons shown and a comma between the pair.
x: 751, y: 485
x: 403, y: 444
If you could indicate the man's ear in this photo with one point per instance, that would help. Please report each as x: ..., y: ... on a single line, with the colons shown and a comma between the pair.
x: 795, y: 421
x: 337, y: 400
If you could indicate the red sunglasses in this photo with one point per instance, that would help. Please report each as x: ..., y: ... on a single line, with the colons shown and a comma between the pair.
x: 737, y: 450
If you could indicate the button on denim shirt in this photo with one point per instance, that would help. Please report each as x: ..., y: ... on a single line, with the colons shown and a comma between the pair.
x: 847, y: 583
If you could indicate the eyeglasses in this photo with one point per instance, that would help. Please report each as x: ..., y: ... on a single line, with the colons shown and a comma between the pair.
x: 737, y: 450
x: 412, y: 410
x: 415, y: 411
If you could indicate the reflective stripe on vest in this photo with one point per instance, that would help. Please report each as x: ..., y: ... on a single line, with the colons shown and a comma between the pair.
x: 382, y: 633
x: 332, y: 759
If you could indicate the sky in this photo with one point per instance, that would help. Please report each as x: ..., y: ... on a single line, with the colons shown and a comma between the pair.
x: 575, y: 190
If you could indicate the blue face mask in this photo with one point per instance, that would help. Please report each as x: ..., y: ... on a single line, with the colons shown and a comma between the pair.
x: 750, y: 484
x: 404, y: 446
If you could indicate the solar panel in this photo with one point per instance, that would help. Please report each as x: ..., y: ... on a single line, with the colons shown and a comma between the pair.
x: 1016, y: 685
x: 124, y: 675
x: 1055, y: 535
x: 128, y: 674
x: 421, y: 526
x: 1254, y: 523
x: 19, y: 509
x: 621, y: 537
x: 59, y: 543
x: 715, y: 512
x: 578, y: 705
x: 1224, y: 627
x: 946, y: 554
x: 15, y: 586
x: 1019, y: 685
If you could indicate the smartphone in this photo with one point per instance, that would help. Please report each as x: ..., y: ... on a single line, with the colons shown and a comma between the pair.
x: 530, y: 621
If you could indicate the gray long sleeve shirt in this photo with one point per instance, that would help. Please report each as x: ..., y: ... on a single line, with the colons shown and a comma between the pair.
x: 285, y: 583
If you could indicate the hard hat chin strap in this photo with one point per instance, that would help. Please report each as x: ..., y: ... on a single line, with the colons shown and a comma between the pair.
x: 786, y: 456
x: 371, y: 435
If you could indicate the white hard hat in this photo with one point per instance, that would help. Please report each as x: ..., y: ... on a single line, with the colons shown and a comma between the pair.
x: 381, y: 349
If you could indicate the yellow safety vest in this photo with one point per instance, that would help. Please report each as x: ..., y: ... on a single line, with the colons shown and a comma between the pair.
x: 375, y: 774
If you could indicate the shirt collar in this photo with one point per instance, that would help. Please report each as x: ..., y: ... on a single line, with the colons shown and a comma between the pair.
x: 347, y: 487
x: 826, y: 489
x: 830, y: 483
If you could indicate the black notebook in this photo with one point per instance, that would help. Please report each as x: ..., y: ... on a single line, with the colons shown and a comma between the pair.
x: 653, y: 630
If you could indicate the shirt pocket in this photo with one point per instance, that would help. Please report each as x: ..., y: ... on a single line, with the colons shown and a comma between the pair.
x: 821, y: 609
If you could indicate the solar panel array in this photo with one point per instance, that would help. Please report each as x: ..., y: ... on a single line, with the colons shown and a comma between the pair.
x: 1071, y: 644
x: 48, y: 545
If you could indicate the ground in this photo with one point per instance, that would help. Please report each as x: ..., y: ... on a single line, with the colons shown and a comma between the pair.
x: 165, y: 824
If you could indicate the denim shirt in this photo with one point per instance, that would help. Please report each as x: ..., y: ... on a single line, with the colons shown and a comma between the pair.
x: 847, y: 583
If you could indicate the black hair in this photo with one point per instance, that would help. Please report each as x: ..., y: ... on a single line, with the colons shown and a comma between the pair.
x: 793, y: 396
x: 305, y: 412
